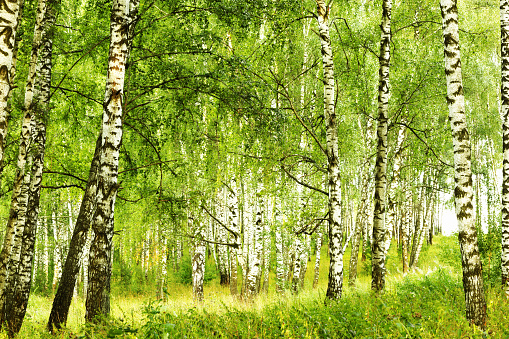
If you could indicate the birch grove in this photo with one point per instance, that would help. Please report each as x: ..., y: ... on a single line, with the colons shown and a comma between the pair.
x: 190, y: 136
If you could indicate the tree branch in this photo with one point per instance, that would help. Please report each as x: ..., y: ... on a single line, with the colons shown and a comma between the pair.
x: 235, y: 234
x: 303, y: 183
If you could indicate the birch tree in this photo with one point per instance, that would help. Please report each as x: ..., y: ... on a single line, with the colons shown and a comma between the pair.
x: 463, y: 194
x: 63, y: 296
x: 22, y: 282
x: 504, y: 109
x: 9, y: 12
x: 11, y: 251
x: 335, y: 282
x: 107, y: 176
x: 380, y: 233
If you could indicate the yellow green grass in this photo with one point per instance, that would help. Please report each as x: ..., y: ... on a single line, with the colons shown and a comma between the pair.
x: 424, y: 304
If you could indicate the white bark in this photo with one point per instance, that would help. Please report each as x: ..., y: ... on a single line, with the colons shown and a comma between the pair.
x: 253, y: 275
x: 380, y: 231
x: 504, y: 112
x: 319, y: 233
x: 463, y: 195
x: 198, y: 259
x: 335, y: 284
x: 9, y: 12
x: 103, y: 222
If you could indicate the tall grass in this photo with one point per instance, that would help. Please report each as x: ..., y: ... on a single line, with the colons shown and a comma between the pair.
x: 428, y: 303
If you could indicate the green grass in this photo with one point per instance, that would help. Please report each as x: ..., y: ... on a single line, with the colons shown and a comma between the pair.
x: 425, y: 304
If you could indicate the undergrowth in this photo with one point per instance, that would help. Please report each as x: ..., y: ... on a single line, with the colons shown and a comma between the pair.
x: 427, y: 303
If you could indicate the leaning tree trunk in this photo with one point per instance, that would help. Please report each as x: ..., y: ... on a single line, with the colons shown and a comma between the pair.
x: 22, y: 282
x: 380, y: 233
x: 63, y: 297
x: 463, y: 195
x: 11, y: 251
x: 107, y: 175
x: 504, y: 107
x: 335, y: 283
x: 9, y: 12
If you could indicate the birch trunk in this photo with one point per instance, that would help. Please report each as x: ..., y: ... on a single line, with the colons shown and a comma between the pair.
x: 198, y: 259
x: 164, y: 271
x: 335, y: 283
x: 380, y: 233
x: 297, y: 264
x: 280, y: 264
x: 318, y: 254
x: 354, y: 257
x: 222, y: 251
x: 393, y: 197
x: 471, y: 262
x: 11, y: 251
x: 45, y: 252
x: 9, y: 12
x: 267, y: 246
x: 252, y: 281
x: 504, y: 109
x: 107, y: 183
x: 22, y: 281
x: 233, y: 223
x: 57, y: 251
x: 304, y: 258
x: 418, y: 227
x: 77, y: 250
x: 405, y: 228
x: 425, y: 230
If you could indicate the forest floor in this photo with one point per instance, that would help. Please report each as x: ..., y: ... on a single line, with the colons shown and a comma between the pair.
x: 427, y: 303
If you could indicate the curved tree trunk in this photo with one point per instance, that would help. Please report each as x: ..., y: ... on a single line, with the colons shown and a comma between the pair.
x: 463, y: 195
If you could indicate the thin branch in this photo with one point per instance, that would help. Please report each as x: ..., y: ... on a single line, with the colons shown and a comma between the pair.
x: 144, y: 166
x: 128, y: 200
x: 305, y: 228
x: 292, y: 108
x: 214, y: 242
x: 77, y: 92
x: 235, y: 234
x: 66, y: 174
x: 302, y: 183
x: 425, y: 143
x: 76, y: 62
x: 63, y: 186
x: 346, y: 243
